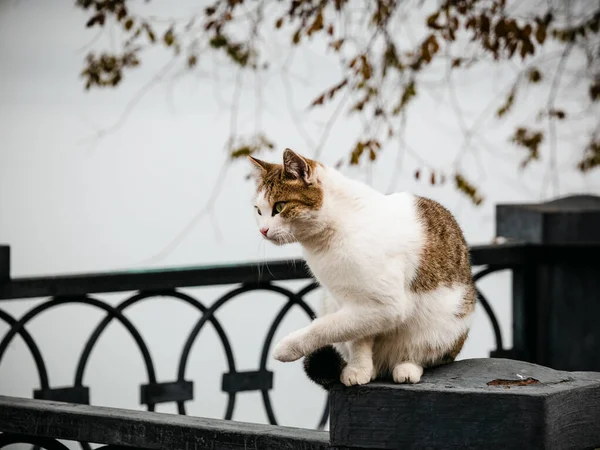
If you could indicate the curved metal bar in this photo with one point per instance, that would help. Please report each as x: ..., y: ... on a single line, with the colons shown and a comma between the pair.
x: 486, y: 305
x: 33, y: 348
x: 308, y: 289
x: 492, y: 316
x: 265, y: 352
x: 301, y: 293
x: 135, y: 299
x: 86, y: 301
x: 294, y: 299
x: 488, y: 270
x: 206, y: 316
x: 7, y: 439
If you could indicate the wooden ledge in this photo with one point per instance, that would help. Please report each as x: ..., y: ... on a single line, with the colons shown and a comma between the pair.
x: 476, y: 403
x: 147, y: 430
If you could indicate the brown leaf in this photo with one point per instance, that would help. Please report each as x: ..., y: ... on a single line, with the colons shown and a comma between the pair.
x: 484, y: 24
x: 591, y: 158
x: 558, y: 113
x: 432, y: 20
x: 319, y: 100
x: 508, y: 383
x: 540, y: 33
x: 337, y: 44
x: 534, y: 75
x: 529, y: 140
x: 468, y: 189
x: 96, y: 19
x: 241, y: 151
x: 317, y: 24
x: 149, y: 32
x: 169, y: 37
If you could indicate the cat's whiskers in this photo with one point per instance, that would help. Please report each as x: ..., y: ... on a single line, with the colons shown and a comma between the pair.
x: 262, y: 258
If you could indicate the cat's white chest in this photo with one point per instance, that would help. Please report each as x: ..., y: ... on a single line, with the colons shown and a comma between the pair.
x: 330, y: 269
x: 377, y: 253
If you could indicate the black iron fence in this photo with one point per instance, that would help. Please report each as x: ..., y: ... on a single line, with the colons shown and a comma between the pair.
x: 524, y: 260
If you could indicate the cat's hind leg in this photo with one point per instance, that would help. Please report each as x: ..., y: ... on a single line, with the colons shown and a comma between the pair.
x: 360, y: 369
x: 407, y: 372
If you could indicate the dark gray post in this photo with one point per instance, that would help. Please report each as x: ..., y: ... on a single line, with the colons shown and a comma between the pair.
x: 556, y: 294
x: 472, y: 404
x: 4, y: 263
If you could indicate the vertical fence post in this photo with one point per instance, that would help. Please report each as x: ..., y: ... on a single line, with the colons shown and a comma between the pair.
x: 471, y: 404
x: 4, y: 263
x: 556, y: 295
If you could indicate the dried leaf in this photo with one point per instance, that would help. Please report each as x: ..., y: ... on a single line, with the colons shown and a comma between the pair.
x: 557, y: 113
x: 540, y: 33
x: 508, y: 104
x: 96, y: 19
x: 591, y: 157
x: 241, y: 151
x: 534, y: 75
x: 149, y: 32
x: 169, y: 37
x: 468, y: 189
x: 508, y: 383
x: 529, y: 140
x: 337, y: 44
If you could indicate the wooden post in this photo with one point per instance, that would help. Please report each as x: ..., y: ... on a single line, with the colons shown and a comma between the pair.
x: 556, y: 296
x: 472, y: 404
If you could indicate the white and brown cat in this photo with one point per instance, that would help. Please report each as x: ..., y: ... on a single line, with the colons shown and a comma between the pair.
x: 395, y: 269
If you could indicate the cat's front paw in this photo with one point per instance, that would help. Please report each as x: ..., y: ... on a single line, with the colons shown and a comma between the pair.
x: 290, y: 348
x: 407, y: 372
x: 356, y: 375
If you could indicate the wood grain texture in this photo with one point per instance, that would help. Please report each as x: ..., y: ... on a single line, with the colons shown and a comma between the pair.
x: 453, y: 407
x: 147, y: 430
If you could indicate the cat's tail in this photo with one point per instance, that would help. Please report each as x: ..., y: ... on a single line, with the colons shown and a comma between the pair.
x: 324, y: 366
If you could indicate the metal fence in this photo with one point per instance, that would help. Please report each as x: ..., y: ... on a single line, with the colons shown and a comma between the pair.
x: 244, y: 278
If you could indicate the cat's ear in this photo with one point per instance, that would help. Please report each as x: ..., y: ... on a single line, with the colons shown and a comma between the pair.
x: 296, y: 166
x: 260, y: 167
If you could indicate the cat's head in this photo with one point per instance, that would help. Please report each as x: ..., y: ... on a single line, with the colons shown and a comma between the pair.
x: 288, y: 198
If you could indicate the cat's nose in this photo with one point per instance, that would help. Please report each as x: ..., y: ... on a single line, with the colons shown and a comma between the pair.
x: 264, y: 231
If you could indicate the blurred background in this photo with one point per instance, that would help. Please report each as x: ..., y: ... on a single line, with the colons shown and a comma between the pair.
x: 124, y: 126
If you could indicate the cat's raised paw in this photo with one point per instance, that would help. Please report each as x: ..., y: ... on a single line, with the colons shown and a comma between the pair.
x: 290, y: 347
x: 407, y: 372
x: 355, y: 375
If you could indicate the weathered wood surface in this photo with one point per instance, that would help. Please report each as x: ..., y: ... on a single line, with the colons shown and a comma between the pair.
x: 454, y: 407
x: 147, y: 430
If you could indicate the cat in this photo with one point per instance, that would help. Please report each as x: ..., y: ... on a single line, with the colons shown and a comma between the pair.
x: 399, y: 293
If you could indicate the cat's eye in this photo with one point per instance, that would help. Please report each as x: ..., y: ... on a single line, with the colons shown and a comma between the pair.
x: 278, y: 207
x: 258, y: 210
